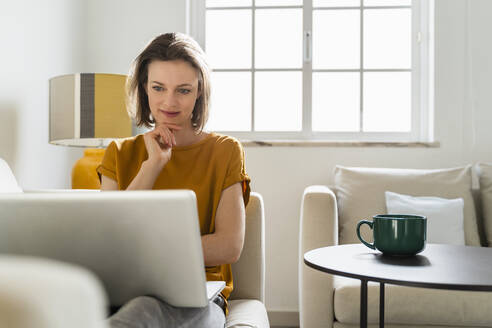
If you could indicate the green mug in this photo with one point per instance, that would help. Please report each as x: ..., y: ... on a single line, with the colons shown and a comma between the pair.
x: 396, y: 234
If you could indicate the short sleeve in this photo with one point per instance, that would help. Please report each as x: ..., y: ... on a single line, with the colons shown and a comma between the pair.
x: 236, y: 171
x: 108, y: 165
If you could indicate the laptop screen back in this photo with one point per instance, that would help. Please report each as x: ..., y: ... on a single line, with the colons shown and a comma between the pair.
x: 137, y: 242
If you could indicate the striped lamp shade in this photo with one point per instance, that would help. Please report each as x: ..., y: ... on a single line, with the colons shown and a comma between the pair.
x: 88, y: 110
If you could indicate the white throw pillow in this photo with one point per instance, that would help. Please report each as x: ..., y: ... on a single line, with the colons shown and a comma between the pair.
x: 444, y: 216
x: 7, y: 179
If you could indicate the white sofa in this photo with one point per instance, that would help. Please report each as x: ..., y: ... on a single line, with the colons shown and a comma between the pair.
x: 58, y: 295
x: 329, y: 216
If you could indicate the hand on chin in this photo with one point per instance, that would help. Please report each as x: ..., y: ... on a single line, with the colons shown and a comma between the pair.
x: 173, y: 126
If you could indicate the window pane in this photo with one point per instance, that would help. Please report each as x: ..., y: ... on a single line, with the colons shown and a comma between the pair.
x: 278, y: 38
x: 336, y: 101
x: 387, y: 2
x: 336, y: 3
x: 228, y: 3
x: 228, y: 47
x: 387, y: 102
x: 336, y: 39
x: 278, y: 101
x: 387, y: 38
x: 231, y: 102
x: 260, y: 3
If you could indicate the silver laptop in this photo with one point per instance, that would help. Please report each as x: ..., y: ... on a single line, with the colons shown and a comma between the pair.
x: 136, y: 242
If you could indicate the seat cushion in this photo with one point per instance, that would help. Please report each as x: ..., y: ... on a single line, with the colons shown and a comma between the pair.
x: 247, y: 313
x: 413, y: 306
x: 485, y: 178
x: 360, y: 195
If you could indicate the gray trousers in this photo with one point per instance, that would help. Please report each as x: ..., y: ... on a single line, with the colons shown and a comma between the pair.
x: 149, y: 312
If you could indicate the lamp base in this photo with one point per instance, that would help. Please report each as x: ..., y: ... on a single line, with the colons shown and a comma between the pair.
x: 84, y: 175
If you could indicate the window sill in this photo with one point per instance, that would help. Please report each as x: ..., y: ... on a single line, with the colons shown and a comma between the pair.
x: 331, y: 143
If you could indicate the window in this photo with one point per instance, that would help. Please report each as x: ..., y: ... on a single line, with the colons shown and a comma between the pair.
x: 318, y: 69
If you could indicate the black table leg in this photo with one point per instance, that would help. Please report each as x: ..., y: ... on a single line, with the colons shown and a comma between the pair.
x: 381, y: 305
x: 363, y: 304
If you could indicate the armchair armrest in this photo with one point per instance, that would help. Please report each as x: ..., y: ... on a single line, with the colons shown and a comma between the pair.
x: 318, y: 228
x: 43, y: 293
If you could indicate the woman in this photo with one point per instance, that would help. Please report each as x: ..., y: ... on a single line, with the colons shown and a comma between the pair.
x: 168, y: 89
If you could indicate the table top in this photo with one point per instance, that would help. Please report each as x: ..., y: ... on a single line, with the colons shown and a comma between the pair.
x: 438, y: 266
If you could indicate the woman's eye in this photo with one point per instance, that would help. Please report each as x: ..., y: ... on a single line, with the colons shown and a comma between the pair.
x: 156, y: 88
x: 184, y: 91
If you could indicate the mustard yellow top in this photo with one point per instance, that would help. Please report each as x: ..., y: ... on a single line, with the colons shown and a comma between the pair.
x: 206, y: 167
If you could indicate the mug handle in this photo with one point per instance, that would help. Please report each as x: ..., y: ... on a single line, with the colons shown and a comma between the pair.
x: 370, y: 224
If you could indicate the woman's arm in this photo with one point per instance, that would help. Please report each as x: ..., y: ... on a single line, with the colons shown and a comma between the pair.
x: 226, y: 243
x: 158, y: 143
x: 146, y: 176
x: 108, y: 183
x: 144, y: 180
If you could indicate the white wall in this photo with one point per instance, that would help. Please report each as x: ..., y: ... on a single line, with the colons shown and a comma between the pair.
x: 118, y: 30
x: 104, y: 36
x: 480, y: 72
x: 39, y: 39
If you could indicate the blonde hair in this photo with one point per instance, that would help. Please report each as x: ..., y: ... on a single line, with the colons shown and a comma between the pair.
x: 166, y: 47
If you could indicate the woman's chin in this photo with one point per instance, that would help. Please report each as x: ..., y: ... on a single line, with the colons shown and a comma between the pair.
x: 167, y: 121
x: 171, y: 121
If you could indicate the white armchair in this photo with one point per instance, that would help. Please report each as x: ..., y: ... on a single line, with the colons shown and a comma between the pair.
x: 246, y: 307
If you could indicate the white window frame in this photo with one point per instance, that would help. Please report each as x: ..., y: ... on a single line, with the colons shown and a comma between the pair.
x: 422, y: 78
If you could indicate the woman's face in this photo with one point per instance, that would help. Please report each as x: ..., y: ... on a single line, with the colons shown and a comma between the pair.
x: 172, y: 89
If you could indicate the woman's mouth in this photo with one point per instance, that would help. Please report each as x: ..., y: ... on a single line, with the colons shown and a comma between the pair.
x: 169, y: 113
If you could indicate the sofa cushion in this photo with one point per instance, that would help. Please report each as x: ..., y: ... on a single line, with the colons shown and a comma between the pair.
x: 413, y: 306
x: 360, y: 195
x: 247, y: 313
x: 444, y: 216
x: 7, y: 179
x: 485, y: 178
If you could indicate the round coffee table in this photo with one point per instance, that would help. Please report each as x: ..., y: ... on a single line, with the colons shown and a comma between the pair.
x: 438, y: 266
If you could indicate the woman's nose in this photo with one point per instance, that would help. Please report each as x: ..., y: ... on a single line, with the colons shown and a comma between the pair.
x: 170, y: 100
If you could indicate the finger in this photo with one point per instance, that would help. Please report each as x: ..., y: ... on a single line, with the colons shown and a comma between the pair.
x: 170, y: 126
x: 158, y: 134
x: 173, y: 126
x: 152, y: 144
x: 154, y: 134
x: 149, y: 137
x: 169, y: 135
x: 172, y: 140
x: 161, y: 138
x: 162, y: 128
x: 165, y: 134
x: 154, y: 139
